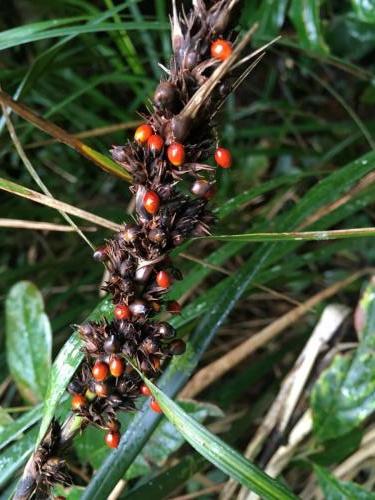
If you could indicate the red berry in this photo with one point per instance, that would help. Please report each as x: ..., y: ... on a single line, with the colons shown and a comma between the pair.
x: 145, y: 390
x: 163, y: 279
x: 151, y: 202
x: 223, y: 157
x: 173, y: 307
x: 155, y: 143
x: 112, y: 439
x: 176, y: 154
x: 221, y: 49
x: 116, y: 366
x: 143, y: 132
x: 100, y: 371
x: 155, y: 407
x: 122, y: 312
x: 78, y: 401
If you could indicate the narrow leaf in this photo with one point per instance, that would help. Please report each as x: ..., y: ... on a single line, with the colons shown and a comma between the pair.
x: 102, y: 161
x: 24, y: 192
x: 297, y: 236
x: 28, y: 340
x: 218, y: 452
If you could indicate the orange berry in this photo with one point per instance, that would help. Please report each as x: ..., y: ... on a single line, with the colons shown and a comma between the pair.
x: 163, y: 279
x: 122, y: 311
x: 221, y: 49
x: 112, y: 439
x: 151, y: 202
x: 116, y: 366
x: 155, y: 143
x: 78, y: 401
x: 100, y: 371
x: 223, y: 157
x: 155, y: 407
x: 143, y: 132
x: 176, y: 154
x: 144, y: 390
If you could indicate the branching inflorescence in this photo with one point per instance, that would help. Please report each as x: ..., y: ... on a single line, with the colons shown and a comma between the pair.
x: 169, y: 150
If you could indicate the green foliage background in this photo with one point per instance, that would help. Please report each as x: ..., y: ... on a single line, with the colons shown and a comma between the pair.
x: 301, y: 129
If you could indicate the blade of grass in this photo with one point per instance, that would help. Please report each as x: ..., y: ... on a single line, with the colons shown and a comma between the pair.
x: 297, y: 236
x: 9, y: 40
x: 102, y: 161
x: 218, y: 452
x: 17, y: 189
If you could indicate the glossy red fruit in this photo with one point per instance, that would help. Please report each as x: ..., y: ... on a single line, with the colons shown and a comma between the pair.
x: 116, y: 366
x: 155, y: 143
x: 100, y: 371
x: 144, y: 390
x: 122, y: 311
x: 223, y: 157
x: 143, y: 132
x: 155, y: 407
x: 112, y: 439
x: 174, y: 307
x: 221, y: 49
x: 176, y: 154
x: 163, y: 279
x: 151, y: 202
x: 78, y: 401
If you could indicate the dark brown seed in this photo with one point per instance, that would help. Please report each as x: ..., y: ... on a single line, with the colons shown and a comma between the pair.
x: 100, y: 254
x: 129, y: 233
x: 150, y: 346
x: 180, y: 128
x: 191, y: 60
x: 157, y: 235
x: 139, y: 308
x: 155, y: 361
x: 75, y: 387
x: 114, y: 399
x: 112, y: 345
x: 166, y: 96
x: 177, y: 347
x: 177, y: 239
x: 85, y: 329
x: 143, y: 273
x: 145, y: 367
x: 166, y: 331
x: 201, y: 187
x: 102, y: 389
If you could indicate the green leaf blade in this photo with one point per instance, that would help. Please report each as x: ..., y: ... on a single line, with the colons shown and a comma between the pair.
x: 28, y: 340
x: 218, y: 452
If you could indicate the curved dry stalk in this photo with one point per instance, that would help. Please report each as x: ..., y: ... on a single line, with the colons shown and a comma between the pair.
x: 24, y: 192
x: 210, y: 373
x: 40, y: 226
